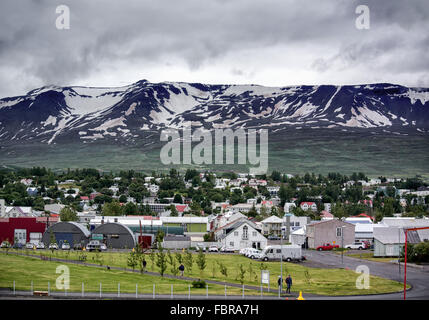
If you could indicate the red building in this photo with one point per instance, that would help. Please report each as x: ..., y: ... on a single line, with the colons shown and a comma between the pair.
x: 22, y: 228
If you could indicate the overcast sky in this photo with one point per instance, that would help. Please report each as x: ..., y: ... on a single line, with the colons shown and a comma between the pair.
x: 266, y: 42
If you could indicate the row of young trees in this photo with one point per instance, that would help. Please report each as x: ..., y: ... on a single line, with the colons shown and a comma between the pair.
x: 164, y: 260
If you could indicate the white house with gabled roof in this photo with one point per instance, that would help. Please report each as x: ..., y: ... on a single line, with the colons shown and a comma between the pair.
x: 242, y: 235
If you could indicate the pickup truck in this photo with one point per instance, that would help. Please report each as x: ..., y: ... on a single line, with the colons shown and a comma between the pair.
x: 326, y: 247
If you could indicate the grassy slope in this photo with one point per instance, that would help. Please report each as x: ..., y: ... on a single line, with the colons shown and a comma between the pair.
x: 320, y: 281
x: 292, y: 151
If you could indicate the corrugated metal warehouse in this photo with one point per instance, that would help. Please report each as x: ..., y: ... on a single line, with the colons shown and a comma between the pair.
x: 72, y: 232
x: 116, y: 235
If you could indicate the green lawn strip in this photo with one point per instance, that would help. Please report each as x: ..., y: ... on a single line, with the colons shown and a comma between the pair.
x: 308, y: 280
x: 26, y: 269
x: 370, y: 256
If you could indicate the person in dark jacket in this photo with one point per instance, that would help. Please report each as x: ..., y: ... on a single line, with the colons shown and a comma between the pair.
x: 181, y: 269
x: 280, y: 282
x: 144, y: 265
x: 288, y: 283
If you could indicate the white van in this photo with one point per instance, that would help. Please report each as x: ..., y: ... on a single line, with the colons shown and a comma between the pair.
x: 290, y: 252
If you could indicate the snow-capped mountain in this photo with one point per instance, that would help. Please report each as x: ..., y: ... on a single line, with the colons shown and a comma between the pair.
x: 54, y: 114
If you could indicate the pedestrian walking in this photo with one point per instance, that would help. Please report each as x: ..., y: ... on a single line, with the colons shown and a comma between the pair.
x: 181, y: 269
x: 144, y: 265
x: 288, y: 283
x: 280, y: 282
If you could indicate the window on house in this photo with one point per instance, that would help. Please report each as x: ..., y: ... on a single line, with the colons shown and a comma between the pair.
x: 339, y: 232
x: 296, y: 224
x: 245, y: 232
x: 231, y: 244
x: 254, y: 233
x: 235, y: 233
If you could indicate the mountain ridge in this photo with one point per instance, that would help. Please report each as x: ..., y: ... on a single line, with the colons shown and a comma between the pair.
x: 55, y: 114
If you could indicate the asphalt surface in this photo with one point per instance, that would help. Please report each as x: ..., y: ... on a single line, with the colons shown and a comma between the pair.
x: 416, y: 277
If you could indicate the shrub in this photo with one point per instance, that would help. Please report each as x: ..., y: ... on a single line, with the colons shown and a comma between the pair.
x: 198, y: 284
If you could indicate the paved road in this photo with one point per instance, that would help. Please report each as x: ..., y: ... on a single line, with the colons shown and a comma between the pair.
x: 417, y: 278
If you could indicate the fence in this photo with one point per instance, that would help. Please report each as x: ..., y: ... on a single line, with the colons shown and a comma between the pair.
x: 101, y: 290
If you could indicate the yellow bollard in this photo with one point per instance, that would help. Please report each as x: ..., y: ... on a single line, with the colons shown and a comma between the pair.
x: 300, y: 296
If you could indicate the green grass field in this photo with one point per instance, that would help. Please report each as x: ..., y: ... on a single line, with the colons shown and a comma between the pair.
x: 308, y: 280
x: 24, y: 270
x: 370, y: 256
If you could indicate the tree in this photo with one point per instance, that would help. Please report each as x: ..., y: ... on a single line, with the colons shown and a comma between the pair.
x: 173, y: 210
x: 68, y: 214
x: 172, y: 262
x: 201, y: 261
x: 152, y: 259
x: 223, y: 269
x: 161, y: 260
x: 132, y: 259
x: 112, y: 209
x: 188, y: 260
x: 130, y: 209
x: 252, y: 212
x: 177, y: 198
x: 241, y: 273
x: 179, y: 257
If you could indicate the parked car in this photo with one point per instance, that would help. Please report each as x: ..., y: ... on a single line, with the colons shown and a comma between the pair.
x: 226, y: 249
x: 29, y: 245
x: 53, y: 246
x: 200, y: 246
x: 17, y: 245
x: 356, y: 245
x: 213, y: 249
x: 40, y: 245
x: 252, y: 253
x: 95, y: 245
x: 77, y: 246
x: 273, y: 237
x: 245, y: 250
x: 5, y: 244
x: 65, y: 246
x: 326, y: 247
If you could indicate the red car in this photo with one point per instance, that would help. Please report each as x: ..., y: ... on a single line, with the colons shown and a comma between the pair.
x: 327, y: 246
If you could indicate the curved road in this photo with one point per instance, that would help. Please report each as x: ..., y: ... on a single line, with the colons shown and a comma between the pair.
x: 417, y: 278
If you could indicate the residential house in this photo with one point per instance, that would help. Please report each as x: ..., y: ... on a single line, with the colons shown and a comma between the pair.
x: 32, y: 191
x: 241, y: 234
x: 332, y: 231
x: 308, y: 206
x: 289, y: 206
x: 296, y: 222
x: 273, y: 190
x: 389, y: 241
x: 272, y: 226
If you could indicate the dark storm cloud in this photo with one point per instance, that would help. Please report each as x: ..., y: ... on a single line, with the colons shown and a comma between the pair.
x: 147, y: 33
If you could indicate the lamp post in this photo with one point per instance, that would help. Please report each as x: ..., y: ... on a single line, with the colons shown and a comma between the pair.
x: 342, y: 244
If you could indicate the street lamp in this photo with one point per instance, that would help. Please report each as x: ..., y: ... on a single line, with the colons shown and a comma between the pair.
x: 342, y: 244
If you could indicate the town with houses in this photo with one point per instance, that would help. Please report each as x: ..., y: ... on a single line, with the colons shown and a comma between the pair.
x: 229, y: 211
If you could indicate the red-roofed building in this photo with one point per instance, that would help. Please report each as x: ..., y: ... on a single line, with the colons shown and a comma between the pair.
x: 308, y: 206
x: 182, y: 208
